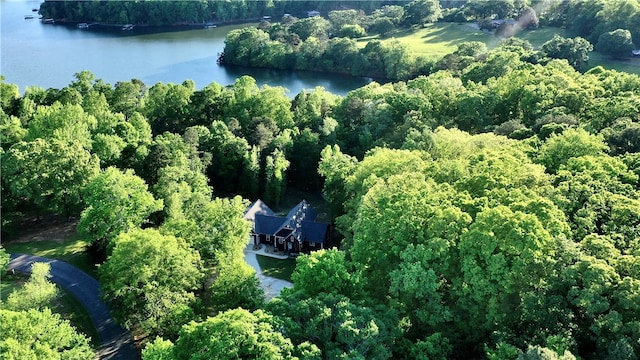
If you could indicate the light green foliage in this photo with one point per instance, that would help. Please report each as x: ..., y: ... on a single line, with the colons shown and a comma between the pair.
x: 236, y: 287
x: 149, y: 281
x: 572, y: 143
x: 316, y: 26
x: 504, y: 255
x: 34, y: 335
x: 49, y: 173
x: 216, y: 229
x: 340, y: 18
x: 433, y: 347
x: 275, y: 172
x: 229, y: 152
x: 338, y: 327
x: 234, y: 334
x: 326, y: 271
x: 598, y: 194
x: 182, y: 190
x: 335, y: 167
x: 541, y: 353
x: 170, y: 149
x: 37, y: 293
x: 167, y: 106
x: 116, y: 202
x: 128, y: 97
x: 11, y: 130
x: 68, y: 123
x: 9, y: 94
x: 158, y: 349
x: 4, y: 259
x: 312, y: 107
x: 406, y: 210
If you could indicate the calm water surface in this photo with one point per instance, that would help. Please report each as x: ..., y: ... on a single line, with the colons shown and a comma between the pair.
x: 46, y: 55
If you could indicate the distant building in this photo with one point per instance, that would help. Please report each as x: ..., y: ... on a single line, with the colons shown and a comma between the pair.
x: 295, y: 233
x: 499, y: 22
x: 635, y: 52
x: 313, y: 13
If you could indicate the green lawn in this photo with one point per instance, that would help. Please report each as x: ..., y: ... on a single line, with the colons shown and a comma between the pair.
x: 71, y: 250
x: 540, y: 36
x: 630, y: 65
x: 439, y: 39
x: 277, y: 268
x: 436, y: 39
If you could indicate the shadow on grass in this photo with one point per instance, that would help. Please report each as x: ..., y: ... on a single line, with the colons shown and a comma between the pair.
x: 72, y: 250
x: 277, y: 268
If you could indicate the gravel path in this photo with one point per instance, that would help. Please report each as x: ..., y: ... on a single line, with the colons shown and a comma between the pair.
x: 117, y: 342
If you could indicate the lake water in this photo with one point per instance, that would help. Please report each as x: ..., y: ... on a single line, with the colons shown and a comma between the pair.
x: 47, y: 55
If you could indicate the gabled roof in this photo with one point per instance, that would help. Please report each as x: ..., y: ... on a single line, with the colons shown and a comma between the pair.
x: 301, y: 212
x: 258, y: 207
x: 299, y: 222
x: 314, y: 232
x: 265, y: 224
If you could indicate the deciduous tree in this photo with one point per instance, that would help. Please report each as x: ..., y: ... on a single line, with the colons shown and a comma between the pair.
x: 116, y: 201
x: 34, y: 334
x: 149, y: 280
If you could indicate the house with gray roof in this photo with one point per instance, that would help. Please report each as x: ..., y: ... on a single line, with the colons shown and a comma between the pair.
x: 294, y: 233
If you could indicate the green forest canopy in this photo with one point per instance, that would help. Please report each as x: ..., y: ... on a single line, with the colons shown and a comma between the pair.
x: 487, y: 211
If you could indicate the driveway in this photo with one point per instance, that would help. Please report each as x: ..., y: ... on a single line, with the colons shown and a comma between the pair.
x: 117, y: 342
x: 271, y: 286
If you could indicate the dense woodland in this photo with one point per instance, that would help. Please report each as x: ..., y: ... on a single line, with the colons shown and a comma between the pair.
x: 333, y: 44
x: 167, y: 12
x: 488, y: 210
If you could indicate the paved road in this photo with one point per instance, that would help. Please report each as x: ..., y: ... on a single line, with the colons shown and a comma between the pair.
x: 117, y: 343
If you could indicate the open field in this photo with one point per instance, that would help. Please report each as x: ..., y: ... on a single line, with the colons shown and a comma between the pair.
x: 436, y: 40
x: 71, y: 250
x: 630, y: 65
x: 439, y: 39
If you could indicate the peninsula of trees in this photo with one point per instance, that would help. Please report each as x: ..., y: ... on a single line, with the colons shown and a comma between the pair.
x: 335, y: 42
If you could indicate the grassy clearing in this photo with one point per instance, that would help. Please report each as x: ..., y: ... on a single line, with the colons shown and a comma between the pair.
x: 72, y: 250
x: 435, y: 40
x: 540, y: 36
x: 630, y: 65
x: 277, y: 268
x: 439, y: 39
x: 8, y: 283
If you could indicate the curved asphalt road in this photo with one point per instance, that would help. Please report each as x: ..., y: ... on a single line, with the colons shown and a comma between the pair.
x: 117, y: 343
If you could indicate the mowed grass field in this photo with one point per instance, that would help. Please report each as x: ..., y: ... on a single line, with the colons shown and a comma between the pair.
x: 72, y: 250
x: 439, y: 39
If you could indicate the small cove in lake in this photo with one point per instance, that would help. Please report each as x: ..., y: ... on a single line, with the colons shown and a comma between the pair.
x: 48, y: 55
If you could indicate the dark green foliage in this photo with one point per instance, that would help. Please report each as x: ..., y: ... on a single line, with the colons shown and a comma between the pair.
x: 575, y: 51
x: 617, y: 43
